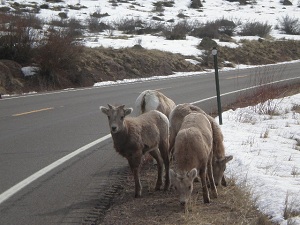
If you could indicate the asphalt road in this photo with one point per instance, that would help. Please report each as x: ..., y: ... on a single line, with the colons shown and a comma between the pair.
x: 39, y: 129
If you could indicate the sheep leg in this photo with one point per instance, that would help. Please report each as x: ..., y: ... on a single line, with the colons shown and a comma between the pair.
x: 137, y: 182
x: 202, y: 174
x: 156, y: 155
x: 135, y: 168
x: 223, y: 182
x: 211, y: 179
x: 164, y: 151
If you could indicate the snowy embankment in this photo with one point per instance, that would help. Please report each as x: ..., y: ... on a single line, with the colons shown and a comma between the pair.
x: 266, y: 150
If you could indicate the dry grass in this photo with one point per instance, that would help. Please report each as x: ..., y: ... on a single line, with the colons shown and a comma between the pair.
x: 264, y: 94
x: 233, y: 206
x: 261, y: 53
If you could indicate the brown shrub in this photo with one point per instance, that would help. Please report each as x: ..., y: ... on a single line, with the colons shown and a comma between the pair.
x: 57, y: 56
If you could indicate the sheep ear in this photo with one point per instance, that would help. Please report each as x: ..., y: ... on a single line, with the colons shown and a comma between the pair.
x: 103, y: 109
x: 228, y: 158
x: 128, y: 111
x: 110, y: 106
x: 173, y: 178
x: 192, y: 174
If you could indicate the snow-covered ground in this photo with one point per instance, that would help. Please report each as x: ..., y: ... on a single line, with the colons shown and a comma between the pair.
x: 264, y: 11
x: 266, y: 150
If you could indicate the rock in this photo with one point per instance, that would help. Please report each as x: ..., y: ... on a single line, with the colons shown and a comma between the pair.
x: 10, y: 77
x: 207, y: 43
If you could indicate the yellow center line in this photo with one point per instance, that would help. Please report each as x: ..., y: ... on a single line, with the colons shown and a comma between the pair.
x: 228, y: 78
x: 33, y: 111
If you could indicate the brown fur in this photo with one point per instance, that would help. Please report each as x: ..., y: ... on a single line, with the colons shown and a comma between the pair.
x: 165, y: 104
x: 193, y: 150
x: 219, y: 158
x: 134, y: 136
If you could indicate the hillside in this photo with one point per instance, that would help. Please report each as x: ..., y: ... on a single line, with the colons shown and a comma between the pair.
x: 77, y: 43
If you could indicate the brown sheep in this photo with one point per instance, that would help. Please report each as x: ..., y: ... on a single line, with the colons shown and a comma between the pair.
x: 135, y: 136
x: 219, y: 159
x: 193, y: 156
x: 153, y: 100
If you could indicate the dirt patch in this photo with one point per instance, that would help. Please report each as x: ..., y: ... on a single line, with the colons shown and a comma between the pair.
x: 159, y: 207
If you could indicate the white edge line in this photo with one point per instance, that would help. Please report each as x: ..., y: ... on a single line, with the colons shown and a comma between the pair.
x: 13, y: 190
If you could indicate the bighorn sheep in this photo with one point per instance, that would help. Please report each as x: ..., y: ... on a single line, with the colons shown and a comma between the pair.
x: 219, y: 159
x: 153, y: 100
x: 193, y: 156
x: 134, y: 136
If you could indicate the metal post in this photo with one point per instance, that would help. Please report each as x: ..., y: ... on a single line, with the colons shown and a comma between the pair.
x: 215, y: 54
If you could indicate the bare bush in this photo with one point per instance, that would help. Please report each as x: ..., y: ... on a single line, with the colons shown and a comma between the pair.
x: 4, y: 9
x: 98, y: 14
x: 95, y: 25
x: 129, y: 25
x: 58, y: 22
x: 20, y: 36
x: 213, y: 29
x: 177, y: 31
x: 209, y: 29
x: 290, y: 209
x: 159, y: 5
x: 56, y: 57
x: 151, y: 28
x: 226, y: 26
x: 75, y: 27
x: 256, y: 29
x: 289, y: 25
x: 195, y: 4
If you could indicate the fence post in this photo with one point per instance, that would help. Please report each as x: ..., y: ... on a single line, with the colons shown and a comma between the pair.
x: 215, y: 54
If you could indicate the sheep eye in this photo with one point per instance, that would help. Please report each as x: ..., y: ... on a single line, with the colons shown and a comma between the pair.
x: 122, y: 117
x: 190, y: 187
x: 108, y: 117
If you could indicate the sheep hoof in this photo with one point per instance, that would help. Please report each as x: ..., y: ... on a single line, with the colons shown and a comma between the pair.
x: 214, y: 194
x: 206, y: 200
x: 138, y: 195
x: 157, y: 188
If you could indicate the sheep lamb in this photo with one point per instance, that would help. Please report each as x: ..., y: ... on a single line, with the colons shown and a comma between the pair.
x: 219, y: 158
x: 193, y: 157
x: 135, y: 136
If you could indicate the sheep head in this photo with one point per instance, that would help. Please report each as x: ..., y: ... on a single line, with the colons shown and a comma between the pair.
x: 116, y: 116
x: 219, y: 166
x: 183, y: 183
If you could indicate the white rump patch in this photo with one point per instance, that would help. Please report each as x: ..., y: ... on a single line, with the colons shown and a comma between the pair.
x: 151, y: 101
